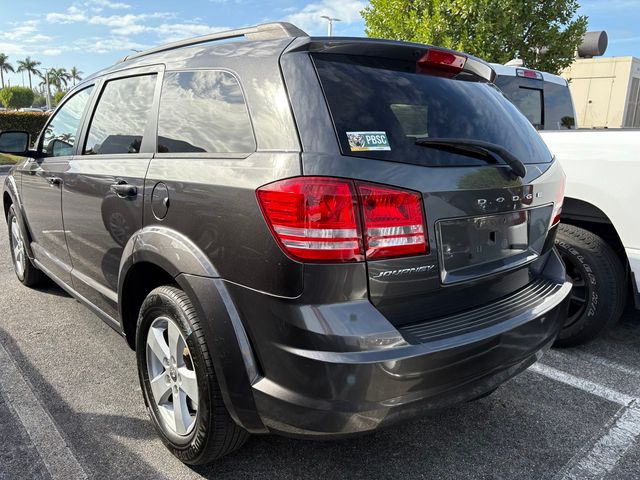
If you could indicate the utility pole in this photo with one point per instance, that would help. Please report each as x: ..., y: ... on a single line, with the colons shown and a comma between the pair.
x: 330, y: 25
x: 48, y: 92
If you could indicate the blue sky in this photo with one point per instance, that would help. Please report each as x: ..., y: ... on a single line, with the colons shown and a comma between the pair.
x: 92, y: 34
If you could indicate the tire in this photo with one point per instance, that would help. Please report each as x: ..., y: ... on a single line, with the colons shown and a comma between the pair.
x: 26, y: 272
x: 599, y: 293
x: 210, y: 432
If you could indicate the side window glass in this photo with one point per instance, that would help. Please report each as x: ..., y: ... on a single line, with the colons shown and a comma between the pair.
x: 60, y: 135
x: 203, y: 111
x: 121, y: 116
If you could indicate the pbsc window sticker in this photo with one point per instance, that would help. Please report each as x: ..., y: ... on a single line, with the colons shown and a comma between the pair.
x: 368, y: 141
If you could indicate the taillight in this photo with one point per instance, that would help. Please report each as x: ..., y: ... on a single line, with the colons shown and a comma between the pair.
x: 314, y: 218
x: 393, y: 221
x: 318, y: 219
x: 441, y: 61
x: 557, y: 204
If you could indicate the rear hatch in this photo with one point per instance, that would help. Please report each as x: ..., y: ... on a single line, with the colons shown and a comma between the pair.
x: 486, y: 227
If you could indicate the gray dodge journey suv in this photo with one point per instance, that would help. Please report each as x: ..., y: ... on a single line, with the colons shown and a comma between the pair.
x: 310, y: 236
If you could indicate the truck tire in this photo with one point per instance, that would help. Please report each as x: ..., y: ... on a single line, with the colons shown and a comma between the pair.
x: 599, y: 286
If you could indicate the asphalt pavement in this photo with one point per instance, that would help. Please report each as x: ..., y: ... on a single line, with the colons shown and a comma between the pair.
x: 71, y: 407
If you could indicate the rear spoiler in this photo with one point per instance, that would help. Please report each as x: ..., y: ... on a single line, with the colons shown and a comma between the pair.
x: 391, y: 49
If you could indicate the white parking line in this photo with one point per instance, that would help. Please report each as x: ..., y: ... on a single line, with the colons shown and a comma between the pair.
x: 589, y: 357
x: 585, y: 385
x: 54, y: 451
x: 597, y: 459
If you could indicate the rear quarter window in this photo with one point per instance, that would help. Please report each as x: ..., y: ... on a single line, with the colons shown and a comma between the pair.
x: 370, y: 95
x: 203, y: 112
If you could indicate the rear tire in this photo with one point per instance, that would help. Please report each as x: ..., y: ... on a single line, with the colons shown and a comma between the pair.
x: 26, y: 272
x: 208, y: 432
x: 599, y: 292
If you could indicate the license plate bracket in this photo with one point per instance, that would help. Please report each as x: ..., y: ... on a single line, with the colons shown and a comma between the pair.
x: 478, y: 246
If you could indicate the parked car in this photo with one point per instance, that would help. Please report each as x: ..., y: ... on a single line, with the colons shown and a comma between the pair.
x: 31, y: 109
x: 307, y: 236
x: 598, y: 239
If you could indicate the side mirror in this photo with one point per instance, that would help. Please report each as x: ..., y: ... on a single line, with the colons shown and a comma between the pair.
x: 14, y: 142
x: 60, y: 148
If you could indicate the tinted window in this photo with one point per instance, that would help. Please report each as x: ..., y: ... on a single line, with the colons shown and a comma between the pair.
x: 203, y: 111
x: 121, y: 116
x: 60, y: 134
x: 380, y: 107
x: 557, y: 113
x: 529, y: 101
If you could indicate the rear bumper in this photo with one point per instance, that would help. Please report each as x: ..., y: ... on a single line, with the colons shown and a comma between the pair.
x: 326, y: 384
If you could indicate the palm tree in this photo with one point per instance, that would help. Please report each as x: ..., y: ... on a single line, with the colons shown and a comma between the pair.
x: 74, y: 74
x: 59, y: 77
x: 29, y: 66
x: 5, y: 67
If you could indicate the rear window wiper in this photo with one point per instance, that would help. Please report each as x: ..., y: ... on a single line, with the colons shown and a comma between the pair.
x: 492, y: 150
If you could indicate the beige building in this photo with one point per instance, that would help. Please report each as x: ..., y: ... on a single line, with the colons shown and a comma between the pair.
x: 605, y: 91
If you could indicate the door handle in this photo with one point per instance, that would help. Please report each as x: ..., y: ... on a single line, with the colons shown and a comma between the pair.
x: 124, y: 190
x: 53, y: 181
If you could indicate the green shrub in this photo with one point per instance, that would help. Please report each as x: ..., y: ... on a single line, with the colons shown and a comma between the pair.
x: 31, y: 122
x: 39, y: 100
x: 16, y: 97
x: 58, y: 97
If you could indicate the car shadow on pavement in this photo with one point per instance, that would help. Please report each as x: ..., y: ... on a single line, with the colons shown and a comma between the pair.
x: 51, y: 287
x: 85, y: 433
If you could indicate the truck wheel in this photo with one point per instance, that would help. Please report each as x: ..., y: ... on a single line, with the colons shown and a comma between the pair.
x: 178, y: 381
x: 599, y: 286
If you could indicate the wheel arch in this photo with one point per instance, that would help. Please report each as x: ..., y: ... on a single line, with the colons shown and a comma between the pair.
x: 156, y: 256
x: 588, y: 216
x: 152, y: 257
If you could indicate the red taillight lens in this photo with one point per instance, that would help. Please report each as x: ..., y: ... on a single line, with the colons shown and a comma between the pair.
x: 441, y: 61
x: 317, y: 219
x: 557, y: 204
x: 314, y: 218
x: 393, y: 221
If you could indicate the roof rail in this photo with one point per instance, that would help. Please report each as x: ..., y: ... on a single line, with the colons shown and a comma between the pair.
x: 265, y: 31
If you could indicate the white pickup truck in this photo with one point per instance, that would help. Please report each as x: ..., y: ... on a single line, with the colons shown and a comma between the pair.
x: 599, y: 237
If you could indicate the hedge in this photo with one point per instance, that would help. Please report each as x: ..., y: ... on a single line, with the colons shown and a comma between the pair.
x: 32, y: 122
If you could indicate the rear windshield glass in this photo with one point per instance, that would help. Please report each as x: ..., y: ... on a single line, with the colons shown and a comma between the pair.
x: 554, y: 112
x: 380, y: 107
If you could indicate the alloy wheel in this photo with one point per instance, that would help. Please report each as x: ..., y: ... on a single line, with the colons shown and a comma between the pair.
x: 17, y: 247
x: 172, y: 376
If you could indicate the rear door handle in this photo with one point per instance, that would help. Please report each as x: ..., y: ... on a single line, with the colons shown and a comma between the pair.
x: 54, y: 181
x: 124, y: 190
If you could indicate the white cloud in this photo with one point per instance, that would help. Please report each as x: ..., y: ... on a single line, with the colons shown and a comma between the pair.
x: 10, y: 48
x: 109, y: 4
x: 51, y: 51
x: 25, y: 33
x: 308, y: 18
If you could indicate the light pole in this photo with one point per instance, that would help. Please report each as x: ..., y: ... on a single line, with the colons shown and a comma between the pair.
x: 330, y: 25
x: 48, y: 92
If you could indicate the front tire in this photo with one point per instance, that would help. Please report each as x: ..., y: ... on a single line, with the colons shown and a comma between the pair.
x: 178, y: 381
x: 26, y: 272
x: 599, y: 287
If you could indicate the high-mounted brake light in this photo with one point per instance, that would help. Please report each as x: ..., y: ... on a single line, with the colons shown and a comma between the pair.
x: 521, y: 72
x: 557, y: 204
x: 318, y: 219
x: 441, y: 61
